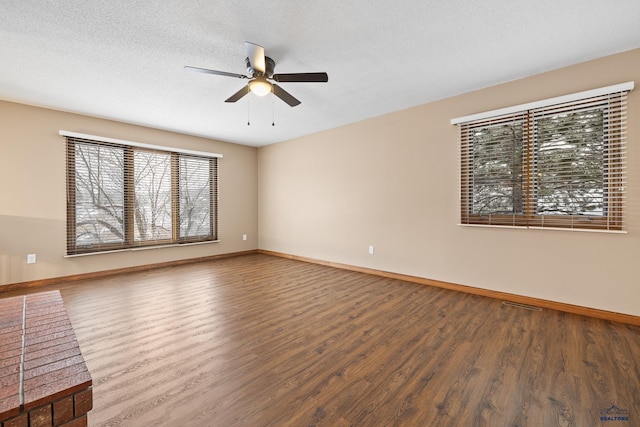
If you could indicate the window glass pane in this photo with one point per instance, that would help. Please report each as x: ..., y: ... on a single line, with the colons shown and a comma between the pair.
x: 569, y: 164
x: 497, y: 169
x: 195, y: 197
x: 560, y: 164
x: 99, y: 195
x: 152, y: 196
x: 121, y: 197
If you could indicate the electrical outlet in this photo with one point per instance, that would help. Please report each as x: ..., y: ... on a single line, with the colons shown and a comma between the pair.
x: 372, y: 250
x: 31, y: 258
x: 244, y: 237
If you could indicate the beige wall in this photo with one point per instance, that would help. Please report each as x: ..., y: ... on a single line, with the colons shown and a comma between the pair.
x: 392, y: 182
x: 33, y: 203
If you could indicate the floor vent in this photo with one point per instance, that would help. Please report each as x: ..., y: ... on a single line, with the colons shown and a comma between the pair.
x: 525, y: 306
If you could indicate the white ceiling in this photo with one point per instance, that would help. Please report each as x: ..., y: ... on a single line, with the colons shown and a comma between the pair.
x: 124, y: 60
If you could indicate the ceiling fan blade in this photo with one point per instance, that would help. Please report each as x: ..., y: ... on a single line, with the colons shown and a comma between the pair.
x: 301, y: 77
x: 255, y: 53
x: 285, y: 96
x: 219, y: 73
x: 239, y: 94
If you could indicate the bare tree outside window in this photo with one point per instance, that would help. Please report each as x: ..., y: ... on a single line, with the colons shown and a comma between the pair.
x: 152, y: 195
x: 195, y: 197
x: 99, y: 195
x: 122, y: 196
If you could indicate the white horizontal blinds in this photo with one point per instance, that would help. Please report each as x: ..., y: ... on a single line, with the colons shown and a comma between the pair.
x: 123, y: 196
x: 558, y: 165
x: 578, y: 162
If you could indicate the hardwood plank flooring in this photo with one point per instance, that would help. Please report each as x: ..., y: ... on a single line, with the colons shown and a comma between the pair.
x: 259, y: 340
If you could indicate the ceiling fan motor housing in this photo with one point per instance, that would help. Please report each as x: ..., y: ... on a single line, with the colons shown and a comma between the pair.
x: 270, y: 66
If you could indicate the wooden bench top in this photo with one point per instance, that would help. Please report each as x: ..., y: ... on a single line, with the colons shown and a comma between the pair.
x: 40, y: 360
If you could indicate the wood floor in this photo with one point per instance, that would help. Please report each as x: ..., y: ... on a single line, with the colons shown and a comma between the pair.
x: 264, y: 341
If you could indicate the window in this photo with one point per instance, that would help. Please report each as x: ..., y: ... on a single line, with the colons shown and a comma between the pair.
x: 127, y: 195
x: 557, y: 163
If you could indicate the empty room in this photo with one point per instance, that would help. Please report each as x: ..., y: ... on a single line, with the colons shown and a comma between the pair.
x: 416, y: 213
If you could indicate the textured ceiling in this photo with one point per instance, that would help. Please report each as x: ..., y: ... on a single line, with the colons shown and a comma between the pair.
x: 124, y: 60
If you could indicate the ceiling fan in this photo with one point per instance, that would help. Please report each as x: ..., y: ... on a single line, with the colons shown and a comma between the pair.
x: 259, y: 71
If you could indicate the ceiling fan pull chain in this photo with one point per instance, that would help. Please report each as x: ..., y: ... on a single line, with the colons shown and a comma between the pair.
x: 248, y: 113
x: 273, y: 113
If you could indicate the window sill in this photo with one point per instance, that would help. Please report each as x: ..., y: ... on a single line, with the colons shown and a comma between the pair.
x: 142, y: 248
x: 524, y: 227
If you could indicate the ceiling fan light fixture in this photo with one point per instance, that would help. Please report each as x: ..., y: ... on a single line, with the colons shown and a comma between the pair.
x: 260, y: 87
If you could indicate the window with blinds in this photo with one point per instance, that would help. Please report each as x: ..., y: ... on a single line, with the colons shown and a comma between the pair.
x: 557, y: 163
x: 123, y: 195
